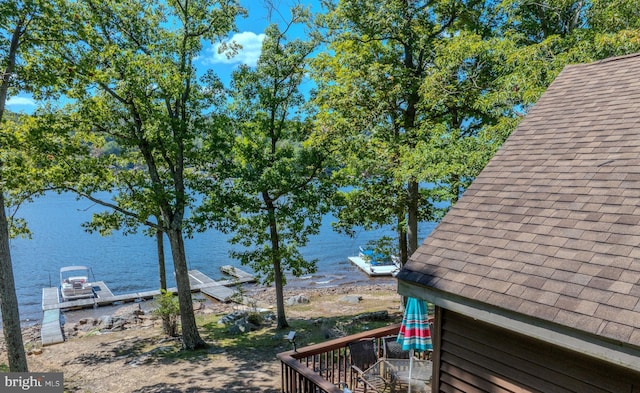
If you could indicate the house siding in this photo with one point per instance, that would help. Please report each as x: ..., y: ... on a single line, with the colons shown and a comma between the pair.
x: 479, y: 357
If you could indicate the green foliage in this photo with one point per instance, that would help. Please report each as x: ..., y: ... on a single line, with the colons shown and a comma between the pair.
x: 276, y: 197
x: 134, y: 85
x: 385, y: 245
x: 412, y: 100
x: 255, y: 318
x: 276, y: 194
x: 372, y: 111
x: 128, y: 67
x: 169, y: 310
x: 43, y: 152
x: 268, y: 340
x: 427, y: 91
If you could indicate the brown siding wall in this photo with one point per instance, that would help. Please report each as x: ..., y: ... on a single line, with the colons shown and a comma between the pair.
x: 478, y: 357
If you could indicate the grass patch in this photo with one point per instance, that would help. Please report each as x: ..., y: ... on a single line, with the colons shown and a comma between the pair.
x: 308, y: 332
x: 266, y: 341
x: 4, y: 368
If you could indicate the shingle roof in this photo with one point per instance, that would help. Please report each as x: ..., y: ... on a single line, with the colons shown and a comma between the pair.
x: 550, y: 227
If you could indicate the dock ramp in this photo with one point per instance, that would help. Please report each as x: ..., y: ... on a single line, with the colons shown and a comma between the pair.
x: 51, y: 331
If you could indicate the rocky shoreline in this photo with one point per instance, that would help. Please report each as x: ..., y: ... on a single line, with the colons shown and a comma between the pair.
x: 107, y: 319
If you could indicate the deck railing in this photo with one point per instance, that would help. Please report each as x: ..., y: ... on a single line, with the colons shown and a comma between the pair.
x: 322, y: 367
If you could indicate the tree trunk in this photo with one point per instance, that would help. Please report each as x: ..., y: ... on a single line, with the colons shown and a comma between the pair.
x: 281, y: 318
x: 402, y: 241
x: 412, y: 223
x: 280, y: 314
x: 191, y: 339
x: 168, y: 324
x: 9, y: 301
x: 161, y: 265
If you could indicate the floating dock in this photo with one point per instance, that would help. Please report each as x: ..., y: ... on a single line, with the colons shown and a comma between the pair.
x: 375, y: 270
x: 51, y: 331
x: 238, y: 274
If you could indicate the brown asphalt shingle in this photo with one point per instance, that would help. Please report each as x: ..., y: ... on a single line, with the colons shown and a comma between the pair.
x: 550, y: 227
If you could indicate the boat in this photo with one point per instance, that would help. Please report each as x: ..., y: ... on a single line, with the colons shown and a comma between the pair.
x: 75, y: 283
x: 376, y: 264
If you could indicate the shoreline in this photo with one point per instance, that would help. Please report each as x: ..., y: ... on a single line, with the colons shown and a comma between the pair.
x: 138, y: 357
x: 264, y: 296
x: 294, y: 284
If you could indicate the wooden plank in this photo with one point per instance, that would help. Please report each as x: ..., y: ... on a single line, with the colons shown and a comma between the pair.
x: 240, y: 275
x: 101, y: 301
x: 101, y: 289
x: 219, y: 292
x: 49, y: 296
x: 197, y: 277
x: 548, y: 363
x: 51, y: 331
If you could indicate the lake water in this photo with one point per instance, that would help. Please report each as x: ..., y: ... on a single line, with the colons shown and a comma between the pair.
x: 129, y: 263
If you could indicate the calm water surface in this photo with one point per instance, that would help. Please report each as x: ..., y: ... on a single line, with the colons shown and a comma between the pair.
x: 129, y: 263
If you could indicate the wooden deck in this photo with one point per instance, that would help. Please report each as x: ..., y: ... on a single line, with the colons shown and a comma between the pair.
x: 51, y: 333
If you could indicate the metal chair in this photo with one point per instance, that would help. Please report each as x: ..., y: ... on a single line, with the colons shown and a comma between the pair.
x: 363, y: 356
x: 392, y: 349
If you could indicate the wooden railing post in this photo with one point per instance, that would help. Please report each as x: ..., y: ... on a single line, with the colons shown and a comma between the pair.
x: 321, y: 367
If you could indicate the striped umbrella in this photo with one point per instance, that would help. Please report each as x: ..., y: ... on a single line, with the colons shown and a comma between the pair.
x: 415, y: 333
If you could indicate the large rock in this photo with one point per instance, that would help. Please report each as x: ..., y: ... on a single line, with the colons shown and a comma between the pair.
x: 233, y: 317
x: 299, y: 299
x: 242, y: 326
x: 355, y: 299
x: 105, y: 322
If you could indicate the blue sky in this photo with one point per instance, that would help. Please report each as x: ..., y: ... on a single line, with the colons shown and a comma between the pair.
x: 250, y: 35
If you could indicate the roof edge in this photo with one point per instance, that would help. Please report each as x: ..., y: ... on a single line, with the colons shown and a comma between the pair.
x: 604, y: 61
x: 620, y: 354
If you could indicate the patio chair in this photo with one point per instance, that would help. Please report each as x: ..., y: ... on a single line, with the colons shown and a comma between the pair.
x: 363, y: 356
x: 392, y: 349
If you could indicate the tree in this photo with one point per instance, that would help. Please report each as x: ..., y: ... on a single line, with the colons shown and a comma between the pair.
x: 129, y: 65
x: 274, y: 198
x: 23, y: 25
x: 13, y: 24
x: 487, y: 75
x: 369, y: 95
x: 547, y: 35
x: 422, y: 93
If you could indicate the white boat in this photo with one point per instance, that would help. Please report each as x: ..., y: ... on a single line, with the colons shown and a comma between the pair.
x: 75, y: 283
x: 376, y: 264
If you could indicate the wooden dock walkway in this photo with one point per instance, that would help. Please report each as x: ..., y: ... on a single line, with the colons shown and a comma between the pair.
x: 51, y: 330
x: 199, y: 282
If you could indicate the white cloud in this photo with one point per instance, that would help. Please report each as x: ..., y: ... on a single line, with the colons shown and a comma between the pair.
x: 251, y: 44
x: 20, y: 101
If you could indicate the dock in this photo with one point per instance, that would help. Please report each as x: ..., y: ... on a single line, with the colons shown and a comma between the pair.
x: 51, y: 331
x: 373, y: 270
x: 240, y: 275
x: 210, y: 287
